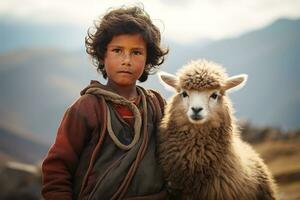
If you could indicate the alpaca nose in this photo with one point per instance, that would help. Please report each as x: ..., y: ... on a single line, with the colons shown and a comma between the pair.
x: 196, y: 110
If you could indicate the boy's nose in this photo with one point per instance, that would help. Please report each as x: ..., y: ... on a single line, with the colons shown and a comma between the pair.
x: 126, y: 58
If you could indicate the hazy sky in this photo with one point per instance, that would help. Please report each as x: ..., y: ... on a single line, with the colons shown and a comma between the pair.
x: 179, y: 20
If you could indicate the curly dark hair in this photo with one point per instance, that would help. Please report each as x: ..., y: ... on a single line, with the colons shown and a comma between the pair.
x: 125, y: 20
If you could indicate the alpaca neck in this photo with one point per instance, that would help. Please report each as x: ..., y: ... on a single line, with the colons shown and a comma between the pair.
x: 213, y: 145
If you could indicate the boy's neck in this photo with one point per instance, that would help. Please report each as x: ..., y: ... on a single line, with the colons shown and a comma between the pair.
x: 127, y: 92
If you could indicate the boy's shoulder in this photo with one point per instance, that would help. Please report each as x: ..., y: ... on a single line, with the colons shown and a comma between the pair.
x: 86, y: 101
x: 156, y: 94
x: 158, y: 101
x: 151, y: 92
x: 85, y: 105
x: 93, y: 84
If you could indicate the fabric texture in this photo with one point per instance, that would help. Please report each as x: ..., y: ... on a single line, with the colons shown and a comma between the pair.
x: 85, y: 163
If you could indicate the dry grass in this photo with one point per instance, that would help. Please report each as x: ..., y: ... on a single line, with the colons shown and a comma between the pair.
x: 283, y: 159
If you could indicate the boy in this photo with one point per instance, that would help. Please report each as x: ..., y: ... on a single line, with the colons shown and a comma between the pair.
x: 105, y: 146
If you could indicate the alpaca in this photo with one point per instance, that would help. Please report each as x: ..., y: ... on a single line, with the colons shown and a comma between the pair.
x: 199, y: 146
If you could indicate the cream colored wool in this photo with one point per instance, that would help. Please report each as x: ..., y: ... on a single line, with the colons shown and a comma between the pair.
x: 209, y: 161
x: 202, y: 75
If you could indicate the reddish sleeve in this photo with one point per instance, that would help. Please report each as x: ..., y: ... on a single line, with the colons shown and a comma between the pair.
x: 60, y: 163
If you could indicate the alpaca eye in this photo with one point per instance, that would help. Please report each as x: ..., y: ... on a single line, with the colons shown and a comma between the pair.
x: 184, y: 94
x: 214, y: 95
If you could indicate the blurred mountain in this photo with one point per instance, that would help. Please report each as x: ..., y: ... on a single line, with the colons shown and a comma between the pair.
x: 14, y: 147
x: 43, y: 68
x: 19, y: 34
x: 270, y: 56
x: 38, y: 84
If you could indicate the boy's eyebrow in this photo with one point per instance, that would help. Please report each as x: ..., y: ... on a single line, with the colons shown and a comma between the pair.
x: 120, y: 46
x: 139, y: 48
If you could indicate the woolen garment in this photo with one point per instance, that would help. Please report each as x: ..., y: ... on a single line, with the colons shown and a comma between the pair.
x: 85, y: 163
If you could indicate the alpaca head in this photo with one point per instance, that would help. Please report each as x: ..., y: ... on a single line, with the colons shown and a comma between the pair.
x: 201, y: 91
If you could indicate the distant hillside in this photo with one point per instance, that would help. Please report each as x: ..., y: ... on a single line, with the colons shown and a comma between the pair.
x: 270, y: 56
x: 17, y: 34
x: 19, y: 148
x: 37, y: 85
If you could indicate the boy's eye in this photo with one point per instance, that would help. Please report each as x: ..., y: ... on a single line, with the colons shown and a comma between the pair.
x: 137, y: 53
x: 184, y: 94
x: 116, y: 50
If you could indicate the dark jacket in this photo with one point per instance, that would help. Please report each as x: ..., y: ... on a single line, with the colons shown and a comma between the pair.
x: 85, y: 163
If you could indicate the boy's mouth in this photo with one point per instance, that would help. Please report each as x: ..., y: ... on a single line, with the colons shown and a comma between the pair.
x: 124, y: 72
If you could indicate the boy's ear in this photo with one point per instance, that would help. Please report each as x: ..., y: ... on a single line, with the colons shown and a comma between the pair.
x: 168, y: 80
x: 235, y: 83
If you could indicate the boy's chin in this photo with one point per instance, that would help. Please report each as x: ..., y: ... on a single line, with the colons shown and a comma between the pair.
x: 125, y: 82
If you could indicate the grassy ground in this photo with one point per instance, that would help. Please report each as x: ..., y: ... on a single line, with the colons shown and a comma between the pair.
x: 283, y: 159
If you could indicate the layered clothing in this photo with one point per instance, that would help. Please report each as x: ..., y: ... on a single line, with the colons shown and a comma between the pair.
x: 101, y: 154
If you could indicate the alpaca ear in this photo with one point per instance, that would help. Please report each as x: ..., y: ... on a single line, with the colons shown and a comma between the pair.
x: 168, y: 80
x: 235, y: 83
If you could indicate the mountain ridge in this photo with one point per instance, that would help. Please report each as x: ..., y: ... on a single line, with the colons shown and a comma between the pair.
x: 39, y: 84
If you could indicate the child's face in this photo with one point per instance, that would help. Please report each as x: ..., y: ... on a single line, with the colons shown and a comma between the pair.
x: 125, y: 59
